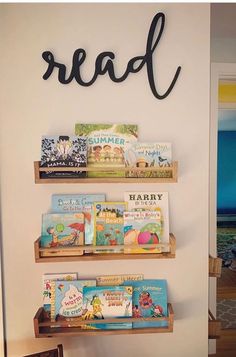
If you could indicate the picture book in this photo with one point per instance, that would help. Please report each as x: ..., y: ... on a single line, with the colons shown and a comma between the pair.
x: 47, y: 279
x: 142, y: 227
x: 108, y: 145
x: 111, y: 280
x: 78, y: 203
x: 67, y: 297
x: 149, y: 300
x: 62, y: 230
x: 63, y: 151
x: 108, y: 224
x: 103, y: 302
x: 152, y: 201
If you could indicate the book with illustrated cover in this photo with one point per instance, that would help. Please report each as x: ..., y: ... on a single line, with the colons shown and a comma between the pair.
x: 67, y: 297
x: 61, y: 230
x: 149, y: 300
x: 108, y: 145
x: 83, y: 203
x: 142, y: 227
x: 63, y: 151
x: 109, y: 224
x: 111, y: 280
x: 47, y: 280
x: 143, y: 155
x: 152, y: 201
x: 103, y: 302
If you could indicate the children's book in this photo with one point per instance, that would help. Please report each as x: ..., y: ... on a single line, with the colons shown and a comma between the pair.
x: 67, y: 297
x: 111, y: 280
x: 61, y: 230
x: 63, y: 151
x: 142, y: 227
x: 47, y: 280
x: 108, y: 145
x: 143, y: 155
x: 108, y: 224
x: 108, y: 302
x: 149, y: 300
x: 78, y: 203
x: 152, y: 201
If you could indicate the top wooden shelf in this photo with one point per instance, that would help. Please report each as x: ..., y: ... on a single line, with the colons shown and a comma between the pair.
x: 172, y: 171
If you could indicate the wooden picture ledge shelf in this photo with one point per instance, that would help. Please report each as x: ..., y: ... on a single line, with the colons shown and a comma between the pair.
x: 172, y: 172
x: 215, y: 267
x: 214, y: 326
x: 46, y: 255
x: 44, y: 327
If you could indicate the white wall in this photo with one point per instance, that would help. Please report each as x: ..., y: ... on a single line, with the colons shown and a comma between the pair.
x: 31, y: 107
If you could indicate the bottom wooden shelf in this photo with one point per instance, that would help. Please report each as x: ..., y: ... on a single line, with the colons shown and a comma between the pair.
x: 43, y: 327
x: 214, y: 326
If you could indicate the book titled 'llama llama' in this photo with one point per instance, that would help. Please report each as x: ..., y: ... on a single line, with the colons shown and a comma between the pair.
x: 152, y: 201
x: 73, y: 203
x: 142, y: 227
x: 63, y: 151
x: 108, y: 145
x: 67, y: 298
x: 115, y: 280
x: 60, y: 230
x: 103, y: 302
x: 149, y: 300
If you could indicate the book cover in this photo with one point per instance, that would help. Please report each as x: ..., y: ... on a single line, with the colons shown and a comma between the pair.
x: 142, y: 227
x: 108, y: 302
x: 63, y: 151
x: 67, y: 297
x: 109, y: 224
x: 108, y: 145
x: 149, y: 300
x: 143, y: 155
x: 152, y: 201
x: 115, y: 280
x: 62, y: 230
x: 47, y: 279
x: 70, y: 203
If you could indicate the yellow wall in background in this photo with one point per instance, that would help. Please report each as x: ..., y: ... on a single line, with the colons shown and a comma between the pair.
x: 227, y: 92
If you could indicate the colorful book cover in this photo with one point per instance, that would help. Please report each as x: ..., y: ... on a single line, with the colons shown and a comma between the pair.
x: 62, y: 230
x: 152, y: 201
x: 78, y: 203
x: 149, y: 300
x: 143, y: 155
x: 47, y: 280
x: 115, y: 280
x: 142, y: 227
x: 63, y: 151
x: 103, y: 302
x: 67, y: 297
x: 109, y: 224
x: 108, y: 145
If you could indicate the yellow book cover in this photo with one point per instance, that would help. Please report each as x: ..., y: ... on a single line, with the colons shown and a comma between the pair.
x: 112, y: 280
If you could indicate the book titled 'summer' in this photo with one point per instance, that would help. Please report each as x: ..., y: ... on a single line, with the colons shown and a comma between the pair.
x: 61, y: 230
x: 152, y: 201
x: 63, y: 151
x: 142, y: 227
x: 103, y: 302
x: 67, y: 297
x: 149, y: 300
x: 108, y: 224
x: 108, y: 145
x: 111, y: 280
x: 71, y: 203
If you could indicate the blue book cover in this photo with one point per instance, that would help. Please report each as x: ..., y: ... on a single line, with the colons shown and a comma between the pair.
x: 70, y: 203
x: 149, y: 300
x: 103, y: 302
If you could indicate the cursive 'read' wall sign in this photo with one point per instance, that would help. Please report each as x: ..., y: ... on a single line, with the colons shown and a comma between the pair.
x: 104, y: 63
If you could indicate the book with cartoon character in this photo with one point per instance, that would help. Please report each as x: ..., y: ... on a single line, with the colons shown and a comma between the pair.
x: 71, y: 203
x: 149, y: 300
x: 103, y: 302
x: 67, y: 297
x: 107, y: 146
x: 63, y: 151
x: 61, y: 230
